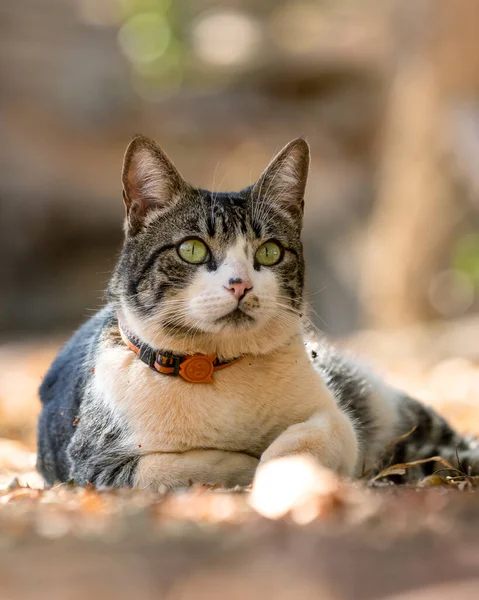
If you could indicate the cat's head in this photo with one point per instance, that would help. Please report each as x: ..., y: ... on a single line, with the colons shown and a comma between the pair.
x: 211, y: 272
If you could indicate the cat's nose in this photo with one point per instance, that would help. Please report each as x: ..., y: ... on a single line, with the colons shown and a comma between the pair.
x: 238, y: 287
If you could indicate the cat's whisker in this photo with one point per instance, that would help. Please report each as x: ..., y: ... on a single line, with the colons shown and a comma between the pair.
x: 311, y: 294
x: 310, y: 309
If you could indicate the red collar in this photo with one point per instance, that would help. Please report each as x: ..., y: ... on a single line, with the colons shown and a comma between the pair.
x: 195, y: 368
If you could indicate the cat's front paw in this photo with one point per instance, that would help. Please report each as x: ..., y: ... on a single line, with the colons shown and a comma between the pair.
x: 294, y: 483
x: 329, y: 439
x: 297, y: 439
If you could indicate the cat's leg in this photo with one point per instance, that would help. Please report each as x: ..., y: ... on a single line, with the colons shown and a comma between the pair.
x: 164, y: 470
x: 328, y: 436
x: 172, y: 470
x: 102, y: 452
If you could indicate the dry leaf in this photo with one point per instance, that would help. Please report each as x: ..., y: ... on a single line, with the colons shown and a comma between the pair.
x: 393, y: 470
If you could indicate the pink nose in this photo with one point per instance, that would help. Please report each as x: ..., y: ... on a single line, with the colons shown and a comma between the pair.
x: 238, y: 287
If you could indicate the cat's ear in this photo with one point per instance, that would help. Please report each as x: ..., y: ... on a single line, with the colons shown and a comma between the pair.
x: 150, y: 181
x: 284, y: 180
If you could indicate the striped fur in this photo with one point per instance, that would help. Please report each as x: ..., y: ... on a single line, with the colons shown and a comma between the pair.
x: 406, y: 431
x: 109, y: 420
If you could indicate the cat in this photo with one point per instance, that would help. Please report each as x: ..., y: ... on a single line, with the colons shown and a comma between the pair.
x: 197, y: 369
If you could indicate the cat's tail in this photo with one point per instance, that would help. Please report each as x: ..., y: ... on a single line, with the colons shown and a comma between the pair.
x: 392, y: 428
x: 423, y: 437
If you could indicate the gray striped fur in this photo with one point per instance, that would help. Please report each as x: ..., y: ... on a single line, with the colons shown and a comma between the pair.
x: 84, y: 437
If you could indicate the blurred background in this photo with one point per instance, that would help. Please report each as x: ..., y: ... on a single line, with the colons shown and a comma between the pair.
x: 387, y: 94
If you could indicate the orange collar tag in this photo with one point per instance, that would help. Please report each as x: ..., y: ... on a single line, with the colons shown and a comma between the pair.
x: 198, y: 368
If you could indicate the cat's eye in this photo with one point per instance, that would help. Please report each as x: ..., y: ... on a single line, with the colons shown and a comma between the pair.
x: 193, y: 251
x: 269, y: 254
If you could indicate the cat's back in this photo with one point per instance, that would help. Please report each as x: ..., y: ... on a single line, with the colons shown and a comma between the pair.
x: 61, y: 394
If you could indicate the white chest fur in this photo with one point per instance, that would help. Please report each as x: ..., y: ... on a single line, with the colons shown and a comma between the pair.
x: 245, y: 409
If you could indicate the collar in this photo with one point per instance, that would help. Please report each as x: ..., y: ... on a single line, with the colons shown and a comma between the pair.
x: 195, y: 368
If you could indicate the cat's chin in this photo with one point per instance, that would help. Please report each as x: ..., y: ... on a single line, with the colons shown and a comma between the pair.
x: 237, y: 319
x: 232, y: 337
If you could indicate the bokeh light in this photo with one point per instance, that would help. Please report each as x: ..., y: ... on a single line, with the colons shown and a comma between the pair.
x: 145, y: 37
x: 225, y: 38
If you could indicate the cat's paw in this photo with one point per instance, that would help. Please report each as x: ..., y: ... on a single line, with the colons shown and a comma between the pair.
x: 329, y: 438
x: 297, y: 439
x: 294, y: 483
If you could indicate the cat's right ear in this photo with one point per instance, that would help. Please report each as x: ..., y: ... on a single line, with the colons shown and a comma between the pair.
x: 150, y: 181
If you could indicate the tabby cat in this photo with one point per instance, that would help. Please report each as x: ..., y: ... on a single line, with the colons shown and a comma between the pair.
x: 197, y: 369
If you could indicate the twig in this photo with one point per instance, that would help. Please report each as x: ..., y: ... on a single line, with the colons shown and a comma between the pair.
x: 392, y: 443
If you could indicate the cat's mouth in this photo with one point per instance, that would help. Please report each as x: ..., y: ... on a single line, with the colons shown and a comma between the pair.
x: 236, y: 317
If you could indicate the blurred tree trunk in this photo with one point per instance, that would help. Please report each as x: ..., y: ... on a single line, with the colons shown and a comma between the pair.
x: 436, y: 56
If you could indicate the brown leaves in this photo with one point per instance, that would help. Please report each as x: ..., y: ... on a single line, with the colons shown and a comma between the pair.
x: 17, y: 464
x: 205, y: 504
x: 400, y: 468
x: 392, y: 443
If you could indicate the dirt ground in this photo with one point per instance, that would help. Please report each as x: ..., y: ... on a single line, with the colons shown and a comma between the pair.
x: 309, y: 535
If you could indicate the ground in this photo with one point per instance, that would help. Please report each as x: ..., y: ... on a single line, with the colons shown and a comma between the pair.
x: 320, y: 538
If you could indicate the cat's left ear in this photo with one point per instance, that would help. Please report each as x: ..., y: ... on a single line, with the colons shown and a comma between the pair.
x: 150, y: 181
x: 284, y: 180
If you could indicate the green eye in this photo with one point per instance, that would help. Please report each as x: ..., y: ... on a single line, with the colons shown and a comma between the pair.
x: 269, y: 254
x: 193, y: 251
